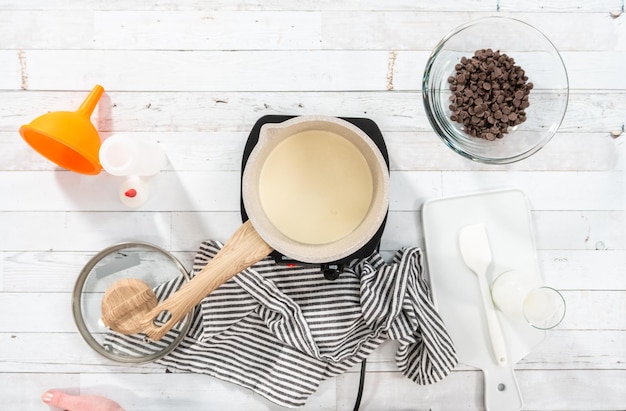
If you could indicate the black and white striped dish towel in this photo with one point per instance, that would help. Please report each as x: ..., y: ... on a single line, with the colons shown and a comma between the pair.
x: 281, y: 330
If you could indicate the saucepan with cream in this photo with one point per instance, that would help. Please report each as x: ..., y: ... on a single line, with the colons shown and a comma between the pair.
x: 315, y: 188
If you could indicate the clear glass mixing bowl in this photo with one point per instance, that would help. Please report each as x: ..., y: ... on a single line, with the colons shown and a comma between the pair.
x: 534, y: 53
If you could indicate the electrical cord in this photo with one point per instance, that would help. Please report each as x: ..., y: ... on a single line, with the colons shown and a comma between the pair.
x: 357, y: 402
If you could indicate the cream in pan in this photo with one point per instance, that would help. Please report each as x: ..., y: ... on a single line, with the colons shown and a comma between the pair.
x: 315, y: 187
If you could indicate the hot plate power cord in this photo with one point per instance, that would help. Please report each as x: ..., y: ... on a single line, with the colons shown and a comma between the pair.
x: 357, y: 402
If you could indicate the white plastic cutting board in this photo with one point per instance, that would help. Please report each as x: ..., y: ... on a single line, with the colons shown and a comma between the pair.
x: 506, y: 215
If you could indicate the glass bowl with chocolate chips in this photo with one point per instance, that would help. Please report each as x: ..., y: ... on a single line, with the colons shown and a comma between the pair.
x: 495, y: 90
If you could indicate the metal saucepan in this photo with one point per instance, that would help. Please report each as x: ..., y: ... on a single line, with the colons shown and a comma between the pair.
x: 130, y: 306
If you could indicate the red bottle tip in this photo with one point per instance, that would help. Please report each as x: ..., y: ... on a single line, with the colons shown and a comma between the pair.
x: 131, y: 193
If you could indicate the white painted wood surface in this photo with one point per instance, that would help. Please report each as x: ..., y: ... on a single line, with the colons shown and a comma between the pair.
x: 195, y: 76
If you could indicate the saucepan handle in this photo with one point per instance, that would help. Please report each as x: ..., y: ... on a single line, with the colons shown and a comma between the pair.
x: 244, y: 248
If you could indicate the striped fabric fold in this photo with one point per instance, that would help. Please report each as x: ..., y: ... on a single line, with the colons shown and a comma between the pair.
x: 280, y: 330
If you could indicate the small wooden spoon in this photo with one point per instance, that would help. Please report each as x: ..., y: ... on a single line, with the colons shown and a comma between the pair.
x: 130, y: 306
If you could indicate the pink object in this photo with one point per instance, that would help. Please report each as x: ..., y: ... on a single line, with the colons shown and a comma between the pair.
x: 61, y: 400
x: 131, y: 193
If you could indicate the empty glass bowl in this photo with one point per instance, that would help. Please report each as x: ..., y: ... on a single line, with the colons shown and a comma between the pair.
x: 534, y: 53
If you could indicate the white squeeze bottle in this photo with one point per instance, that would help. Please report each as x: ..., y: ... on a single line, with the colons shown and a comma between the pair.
x: 125, y: 156
x: 134, y: 192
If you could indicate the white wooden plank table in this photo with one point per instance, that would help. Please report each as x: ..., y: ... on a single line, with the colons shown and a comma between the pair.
x: 195, y: 76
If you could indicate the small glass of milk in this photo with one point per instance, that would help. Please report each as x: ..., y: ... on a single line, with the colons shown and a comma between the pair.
x: 523, y: 299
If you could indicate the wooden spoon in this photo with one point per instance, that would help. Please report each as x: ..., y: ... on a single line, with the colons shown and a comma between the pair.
x: 130, y: 306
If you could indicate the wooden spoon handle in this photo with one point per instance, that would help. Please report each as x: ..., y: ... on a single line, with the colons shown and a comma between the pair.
x: 244, y: 248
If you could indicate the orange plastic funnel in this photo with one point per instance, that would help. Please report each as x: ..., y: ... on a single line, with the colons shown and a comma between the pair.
x: 68, y: 138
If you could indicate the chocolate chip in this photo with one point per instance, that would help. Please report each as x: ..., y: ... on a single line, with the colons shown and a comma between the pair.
x: 490, y: 93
